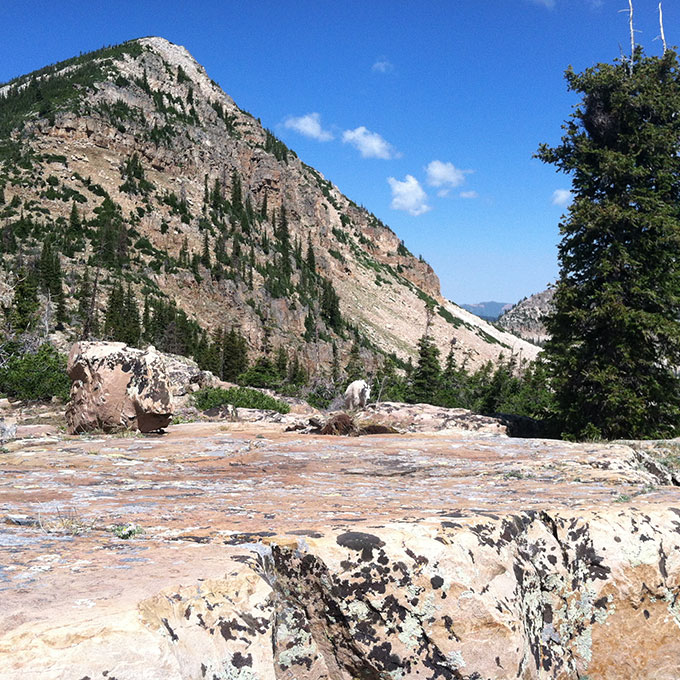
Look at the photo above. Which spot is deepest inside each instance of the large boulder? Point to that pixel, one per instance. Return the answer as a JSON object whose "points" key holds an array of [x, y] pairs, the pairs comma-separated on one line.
{"points": [[116, 387], [185, 377]]}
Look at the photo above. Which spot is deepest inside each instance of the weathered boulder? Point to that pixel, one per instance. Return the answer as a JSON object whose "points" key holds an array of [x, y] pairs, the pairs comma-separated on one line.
{"points": [[428, 418], [184, 376], [116, 387]]}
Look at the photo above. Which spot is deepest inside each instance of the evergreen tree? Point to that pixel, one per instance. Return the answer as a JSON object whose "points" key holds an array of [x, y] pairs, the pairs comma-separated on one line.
{"points": [[83, 295], [205, 255], [25, 303], [216, 197], [74, 221], [46, 267], [310, 259], [206, 193], [263, 209], [262, 373], [235, 355], [114, 320], [281, 362], [427, 373], [310, 326], [615, 343], [90, 319], [212, 359], [61, 314], [454, 385], [297, 374], [183, 257], [387, 385], [236, 194], [112, 234], [330, 306], [131, 330], [355, 366]]}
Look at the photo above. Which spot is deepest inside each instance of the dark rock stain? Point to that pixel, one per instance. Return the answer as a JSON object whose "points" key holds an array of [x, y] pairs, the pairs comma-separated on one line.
{"points": [[173, 636], [360, 541], [239, 661], [436, 582]]}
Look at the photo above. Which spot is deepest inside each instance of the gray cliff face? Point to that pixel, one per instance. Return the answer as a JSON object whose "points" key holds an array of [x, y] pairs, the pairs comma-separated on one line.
{"points": [[156, 102], [527, 318]]}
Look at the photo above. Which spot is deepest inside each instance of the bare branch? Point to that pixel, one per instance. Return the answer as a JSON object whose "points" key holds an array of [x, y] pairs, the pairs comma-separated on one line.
{"points": [[663, 35], [632, 34]]}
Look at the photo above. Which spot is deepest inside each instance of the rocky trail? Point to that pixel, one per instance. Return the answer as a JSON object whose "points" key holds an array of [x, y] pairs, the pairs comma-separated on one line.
{"points": [[235, 550]]}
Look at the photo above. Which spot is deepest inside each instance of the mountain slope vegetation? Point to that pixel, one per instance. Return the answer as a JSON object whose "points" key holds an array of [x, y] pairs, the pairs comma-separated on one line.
{"points": [[138, 202]]}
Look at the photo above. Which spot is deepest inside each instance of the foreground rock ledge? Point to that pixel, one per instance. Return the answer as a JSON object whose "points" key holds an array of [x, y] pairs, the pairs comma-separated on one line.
{"points": [[499, 571]]}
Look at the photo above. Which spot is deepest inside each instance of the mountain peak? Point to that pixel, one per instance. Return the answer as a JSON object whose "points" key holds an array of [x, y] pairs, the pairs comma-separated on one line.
{"points": [[199, 209]]}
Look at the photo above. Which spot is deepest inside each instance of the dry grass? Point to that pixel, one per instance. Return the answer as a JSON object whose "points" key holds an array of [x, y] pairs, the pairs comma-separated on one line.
{"points": [[65, 521]]}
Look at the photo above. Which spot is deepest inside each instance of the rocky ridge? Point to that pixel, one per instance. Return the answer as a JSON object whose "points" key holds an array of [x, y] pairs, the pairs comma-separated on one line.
{"points": [[150, 130], [527, 318]]}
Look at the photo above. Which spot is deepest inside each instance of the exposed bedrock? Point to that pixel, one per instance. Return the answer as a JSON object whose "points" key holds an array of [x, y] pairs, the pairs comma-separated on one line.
{"points": [[529, 595], [526, 595], [266, 555]]}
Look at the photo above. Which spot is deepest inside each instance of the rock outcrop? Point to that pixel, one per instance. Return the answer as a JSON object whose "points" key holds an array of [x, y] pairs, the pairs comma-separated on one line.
{"points": [[116, 387], [269, 556], [527, 318], [388, 417], [428, 418], [184, 376]]}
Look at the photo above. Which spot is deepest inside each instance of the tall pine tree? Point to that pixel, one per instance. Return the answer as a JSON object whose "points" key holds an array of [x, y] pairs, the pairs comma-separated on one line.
{"points": [[615, 331]]}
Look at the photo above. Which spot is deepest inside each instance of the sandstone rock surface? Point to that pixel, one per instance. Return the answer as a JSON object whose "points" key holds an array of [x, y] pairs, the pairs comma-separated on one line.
{"points": [[116, 387], [270, 555], [428, 418]]}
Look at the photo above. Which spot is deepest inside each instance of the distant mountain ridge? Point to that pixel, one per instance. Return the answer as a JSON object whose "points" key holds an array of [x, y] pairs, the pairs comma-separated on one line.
{"points": [[488, 310]]}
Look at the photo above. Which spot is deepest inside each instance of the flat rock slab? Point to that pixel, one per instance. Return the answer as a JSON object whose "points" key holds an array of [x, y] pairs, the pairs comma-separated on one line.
{"points": [[274, 555]]}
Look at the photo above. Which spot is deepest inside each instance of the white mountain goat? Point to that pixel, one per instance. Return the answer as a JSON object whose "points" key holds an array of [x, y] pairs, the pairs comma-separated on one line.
{"points": [[357, 395]]}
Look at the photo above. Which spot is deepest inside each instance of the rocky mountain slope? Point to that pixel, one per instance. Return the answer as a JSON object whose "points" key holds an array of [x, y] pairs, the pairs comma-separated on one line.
{"points": [[132, 161], [526, 318]]}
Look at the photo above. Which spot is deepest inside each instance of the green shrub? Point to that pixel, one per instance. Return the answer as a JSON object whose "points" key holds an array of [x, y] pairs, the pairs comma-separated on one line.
{"points": [[321, 395], [262, 373], [211, 397], [36, 376]]}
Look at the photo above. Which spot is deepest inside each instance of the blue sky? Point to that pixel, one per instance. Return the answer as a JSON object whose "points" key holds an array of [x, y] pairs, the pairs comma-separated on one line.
{"points": [[426, 112]]}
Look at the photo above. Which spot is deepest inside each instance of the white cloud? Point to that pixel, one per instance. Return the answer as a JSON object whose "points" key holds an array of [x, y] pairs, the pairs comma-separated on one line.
{"points": [[309, 126], [561, 197], [445, 175], [382, 65], [370, 144], [550, 4], [469, 194], [408, 195]]}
